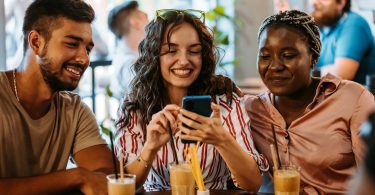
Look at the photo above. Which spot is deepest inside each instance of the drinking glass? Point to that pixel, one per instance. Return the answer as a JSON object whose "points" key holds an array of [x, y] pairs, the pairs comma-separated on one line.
{"points": [[181, 178], [287, 180], [121, 186]]}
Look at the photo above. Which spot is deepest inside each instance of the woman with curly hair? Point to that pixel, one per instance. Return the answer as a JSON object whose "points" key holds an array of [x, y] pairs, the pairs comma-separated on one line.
{"points": [[178, 58]]}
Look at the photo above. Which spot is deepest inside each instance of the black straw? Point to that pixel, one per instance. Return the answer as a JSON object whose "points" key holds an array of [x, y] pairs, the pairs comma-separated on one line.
{"points": [[113, 155], [277, 148], [172, 146]]}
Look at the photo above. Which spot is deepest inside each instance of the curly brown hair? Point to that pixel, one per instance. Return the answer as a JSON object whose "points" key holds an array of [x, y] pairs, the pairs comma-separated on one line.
{"points": [[148, 93]]}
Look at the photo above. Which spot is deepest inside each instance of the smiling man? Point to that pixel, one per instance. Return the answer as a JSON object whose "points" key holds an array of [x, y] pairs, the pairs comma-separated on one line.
{"points": [[41, 123]]}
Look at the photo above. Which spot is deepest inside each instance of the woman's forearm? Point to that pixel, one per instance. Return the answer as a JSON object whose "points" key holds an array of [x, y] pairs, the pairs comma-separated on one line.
{"points": [[142, 165], [242, 166]]}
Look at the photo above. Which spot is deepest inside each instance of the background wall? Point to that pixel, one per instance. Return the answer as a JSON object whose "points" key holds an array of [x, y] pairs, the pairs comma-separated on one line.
{"points": [[2, 37], [251, 14]]}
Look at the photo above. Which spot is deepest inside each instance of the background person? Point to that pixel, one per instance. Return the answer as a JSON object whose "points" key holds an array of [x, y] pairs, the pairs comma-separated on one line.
{"points": [[316, 120], [42, 124], [348, 48], [364, 181], [127, 23], [178, 58]]}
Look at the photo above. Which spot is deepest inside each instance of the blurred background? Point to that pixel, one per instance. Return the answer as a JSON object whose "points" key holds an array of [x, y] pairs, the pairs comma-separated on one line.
{"points": [[235, 23]]}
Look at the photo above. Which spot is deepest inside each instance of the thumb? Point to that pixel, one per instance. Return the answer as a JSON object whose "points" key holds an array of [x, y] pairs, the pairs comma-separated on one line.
{"points": [[215, 111]]}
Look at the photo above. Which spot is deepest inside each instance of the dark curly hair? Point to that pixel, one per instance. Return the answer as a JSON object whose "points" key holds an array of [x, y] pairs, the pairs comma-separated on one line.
{"points": [[148, 93], [300, 21]]}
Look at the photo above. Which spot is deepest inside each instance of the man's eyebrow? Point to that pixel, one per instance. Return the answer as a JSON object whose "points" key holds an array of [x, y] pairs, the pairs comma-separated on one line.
{"points": [[78, 39]]}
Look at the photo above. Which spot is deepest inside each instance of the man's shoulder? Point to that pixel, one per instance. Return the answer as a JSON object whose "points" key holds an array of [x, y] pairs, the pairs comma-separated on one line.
{"points": [[354, 19], [68, 98]]}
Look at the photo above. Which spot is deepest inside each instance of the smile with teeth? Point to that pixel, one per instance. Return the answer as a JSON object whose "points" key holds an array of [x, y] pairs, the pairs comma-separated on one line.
{"points": [[74, 71], [181, 72]]}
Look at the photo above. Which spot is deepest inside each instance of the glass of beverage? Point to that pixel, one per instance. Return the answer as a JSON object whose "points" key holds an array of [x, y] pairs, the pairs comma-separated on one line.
{"points": [[182, 180], [286, 180], [121, 186]]}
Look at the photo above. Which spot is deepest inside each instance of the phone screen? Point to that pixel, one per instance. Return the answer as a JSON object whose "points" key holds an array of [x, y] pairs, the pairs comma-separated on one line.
{"points": [[197, 104]]}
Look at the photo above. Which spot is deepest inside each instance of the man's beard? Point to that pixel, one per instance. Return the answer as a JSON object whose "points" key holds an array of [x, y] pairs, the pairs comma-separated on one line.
{"points": [[325, 18], [52, 78]]}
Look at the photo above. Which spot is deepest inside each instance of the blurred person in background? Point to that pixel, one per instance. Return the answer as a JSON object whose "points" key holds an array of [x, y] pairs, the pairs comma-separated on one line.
{"points": [[347, 41], [364, 181], [348, 46], [42, 124], [127, 23], [314, 122]]}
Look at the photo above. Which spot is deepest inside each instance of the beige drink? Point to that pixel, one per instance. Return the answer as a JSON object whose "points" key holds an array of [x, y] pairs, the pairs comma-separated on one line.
{"points": [[182, 180], [121, 186], [287, 181]]}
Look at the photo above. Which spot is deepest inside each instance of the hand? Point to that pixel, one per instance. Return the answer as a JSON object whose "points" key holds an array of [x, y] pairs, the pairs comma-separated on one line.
{"points": [[93, 182], [205, 129], [159, 126], [224, 85]]}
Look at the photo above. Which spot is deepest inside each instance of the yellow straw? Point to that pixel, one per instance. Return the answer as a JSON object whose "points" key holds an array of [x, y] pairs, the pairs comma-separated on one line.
{"points": [[197, 173]]}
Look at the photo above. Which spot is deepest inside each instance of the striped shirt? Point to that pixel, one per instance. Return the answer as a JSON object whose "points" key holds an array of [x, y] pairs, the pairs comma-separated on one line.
{"points": [[214, 169]]}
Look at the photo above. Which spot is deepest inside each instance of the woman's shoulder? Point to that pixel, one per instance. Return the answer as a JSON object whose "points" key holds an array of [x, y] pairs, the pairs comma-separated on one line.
{"points": [[223, 99], [246, 100], [351, 86]]}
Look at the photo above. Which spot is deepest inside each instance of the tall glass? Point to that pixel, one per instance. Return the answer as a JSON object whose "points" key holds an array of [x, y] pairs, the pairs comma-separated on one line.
{"points": [[286, 180], [182, 180], [121, 186]]}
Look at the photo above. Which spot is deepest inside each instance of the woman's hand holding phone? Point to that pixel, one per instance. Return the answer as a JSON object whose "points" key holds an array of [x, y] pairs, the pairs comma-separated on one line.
{"points": [[204, 129], [157, 129]]}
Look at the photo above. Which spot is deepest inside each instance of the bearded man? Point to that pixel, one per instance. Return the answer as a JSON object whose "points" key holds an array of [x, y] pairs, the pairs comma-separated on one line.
{"points": [[348, 48]]}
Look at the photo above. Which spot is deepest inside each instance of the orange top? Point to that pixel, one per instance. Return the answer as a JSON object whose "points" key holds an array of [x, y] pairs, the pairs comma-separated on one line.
{"points": [[324, 141]]}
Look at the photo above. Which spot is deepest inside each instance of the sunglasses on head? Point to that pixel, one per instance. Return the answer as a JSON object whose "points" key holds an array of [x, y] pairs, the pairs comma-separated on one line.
{"points": [[163, 13]]}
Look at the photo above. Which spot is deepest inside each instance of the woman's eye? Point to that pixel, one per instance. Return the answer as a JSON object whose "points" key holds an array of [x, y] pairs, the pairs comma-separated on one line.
{"points": [[72, 44], [289, 56], [264, 57], [195, 52]]}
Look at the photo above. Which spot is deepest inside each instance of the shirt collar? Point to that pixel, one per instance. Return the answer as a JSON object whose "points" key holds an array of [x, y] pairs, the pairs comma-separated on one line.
{"points": [[328, 84]]}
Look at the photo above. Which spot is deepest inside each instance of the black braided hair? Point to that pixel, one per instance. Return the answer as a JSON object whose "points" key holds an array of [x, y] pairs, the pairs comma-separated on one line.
{"points": [[300, 21]]}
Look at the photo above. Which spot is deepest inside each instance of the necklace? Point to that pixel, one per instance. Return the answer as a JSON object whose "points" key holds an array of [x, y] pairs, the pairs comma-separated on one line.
{"points": [[15, 85]]}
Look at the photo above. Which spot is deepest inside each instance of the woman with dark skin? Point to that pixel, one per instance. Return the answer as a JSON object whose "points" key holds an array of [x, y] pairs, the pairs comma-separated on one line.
{"points": [[178, 58], [316, 121]]}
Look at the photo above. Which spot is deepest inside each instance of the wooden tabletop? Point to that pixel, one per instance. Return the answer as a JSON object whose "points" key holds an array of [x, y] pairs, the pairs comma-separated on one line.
{"points": [[212, 192]]}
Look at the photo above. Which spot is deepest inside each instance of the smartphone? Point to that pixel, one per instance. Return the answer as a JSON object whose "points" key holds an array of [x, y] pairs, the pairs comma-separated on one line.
{"points": [[198, 104]]}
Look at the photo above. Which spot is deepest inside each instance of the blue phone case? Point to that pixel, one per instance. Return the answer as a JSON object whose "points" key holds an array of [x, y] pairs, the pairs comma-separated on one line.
{"points": [[197, 104]]}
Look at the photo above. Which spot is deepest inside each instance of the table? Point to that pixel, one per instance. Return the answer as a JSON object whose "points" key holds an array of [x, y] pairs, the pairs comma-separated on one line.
{"points": [[212, 192]]}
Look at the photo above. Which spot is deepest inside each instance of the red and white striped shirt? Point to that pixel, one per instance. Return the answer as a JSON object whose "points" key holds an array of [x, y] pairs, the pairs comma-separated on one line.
{"points": [[215, 172]]}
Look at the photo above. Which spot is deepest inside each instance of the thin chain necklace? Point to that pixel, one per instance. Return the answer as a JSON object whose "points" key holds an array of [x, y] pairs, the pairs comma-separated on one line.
{"points": [[15, 85]]}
